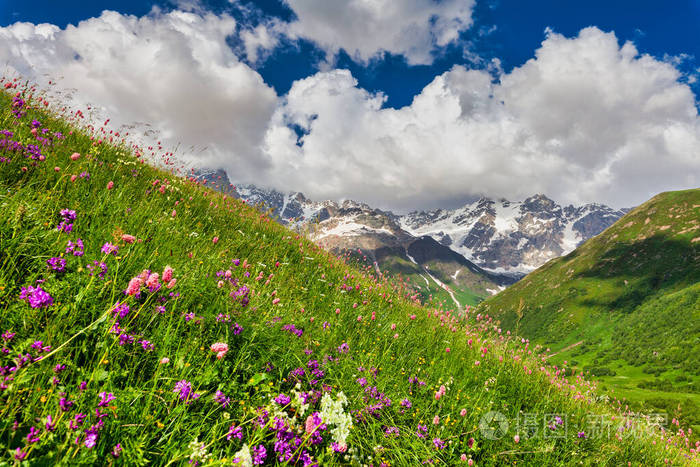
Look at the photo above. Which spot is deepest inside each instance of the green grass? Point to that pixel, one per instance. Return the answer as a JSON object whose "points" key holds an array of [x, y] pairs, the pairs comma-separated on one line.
{"points": [[355, 336], [631, 294]]}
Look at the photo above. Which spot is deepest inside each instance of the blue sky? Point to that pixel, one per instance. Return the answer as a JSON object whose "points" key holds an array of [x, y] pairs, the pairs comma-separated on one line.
{"points": [[412, 104]]}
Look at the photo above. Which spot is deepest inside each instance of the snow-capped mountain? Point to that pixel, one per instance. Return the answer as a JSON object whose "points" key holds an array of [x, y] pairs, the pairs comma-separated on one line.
{"points": [[512, 237], [498, 236]]}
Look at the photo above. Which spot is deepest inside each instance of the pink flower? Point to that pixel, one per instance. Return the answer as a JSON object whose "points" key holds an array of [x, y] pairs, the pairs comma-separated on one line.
{"points": [[153, 280], [470, 462], [396, 336], [220, 348], [167, 274], [57, 169], [463, 412], [436, 420], [516, 438], [174, 213], [164, 361], [171, 284], [134, 286], [215, 240], [110, 185], [463, 457], [393, 326], [309, 425], [75, 156], [275, 301], [220, 284], [447, 349], [73, 178], [359, 318], [128, 238]]}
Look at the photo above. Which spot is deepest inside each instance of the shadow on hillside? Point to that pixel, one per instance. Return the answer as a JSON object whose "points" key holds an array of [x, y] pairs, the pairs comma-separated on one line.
{"points": [[660, 262]]}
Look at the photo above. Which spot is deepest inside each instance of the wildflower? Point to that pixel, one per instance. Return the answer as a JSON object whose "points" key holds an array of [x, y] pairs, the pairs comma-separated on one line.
{"points": [[116, 451], [75, 156], [19, 454], [76, 249], [516, 439], [50, 424], [128, 238], [439, 444], [221, 398], [463, 412], [259, 455], [436, 420], [164, 361], [221, 348], [234, 432], [242, 458], [184, 388], [106, 398], [134, 286], [167, 274], [215, 240], [56, 264], [33, 435], [110, 249], [581, 434], [283, 399], [110, 185], [36, 297], [153, 281]]}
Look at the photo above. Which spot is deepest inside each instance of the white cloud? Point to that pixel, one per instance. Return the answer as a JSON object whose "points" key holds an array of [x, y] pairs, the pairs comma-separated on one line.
{"points": [[585, 120], [172, 70], [366, 29]]}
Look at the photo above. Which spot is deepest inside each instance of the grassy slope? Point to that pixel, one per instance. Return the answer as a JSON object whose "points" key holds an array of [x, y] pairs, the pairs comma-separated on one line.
{"points": [[632, 297], [292, 282]]}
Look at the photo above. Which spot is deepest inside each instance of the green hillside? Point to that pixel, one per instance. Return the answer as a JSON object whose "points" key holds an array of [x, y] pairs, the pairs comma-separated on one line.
{"points": [[625, 306], [148, 320]]}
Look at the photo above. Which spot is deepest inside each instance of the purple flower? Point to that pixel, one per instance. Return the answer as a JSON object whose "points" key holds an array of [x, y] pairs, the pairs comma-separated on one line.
{"points": [[259, 454], [234, 432], [56, 264], [116, 451], [221, 398], [184, 388], [237, 328], [283, 399], [110, 249], [121, 309], [344, 348], [19, 454], [50, 425], [106, 398], [33, 435], [406, 403], [91, 440], [7, 336], [65, 404], [36, 297], [439, 444], [76, 249], [99, 266], [581, 434]]}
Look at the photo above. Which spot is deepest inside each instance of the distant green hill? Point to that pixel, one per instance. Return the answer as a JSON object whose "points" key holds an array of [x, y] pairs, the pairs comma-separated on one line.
{"points": [[625, 305], [146, 320]]}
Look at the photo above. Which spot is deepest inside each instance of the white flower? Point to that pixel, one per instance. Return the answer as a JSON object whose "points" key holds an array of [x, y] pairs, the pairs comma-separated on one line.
{"points": [[244, 458]]}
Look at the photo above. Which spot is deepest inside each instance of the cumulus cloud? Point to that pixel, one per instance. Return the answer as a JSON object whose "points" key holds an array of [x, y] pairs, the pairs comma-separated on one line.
{"points": [[174, 71], [364, 29], [584, 120]]}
